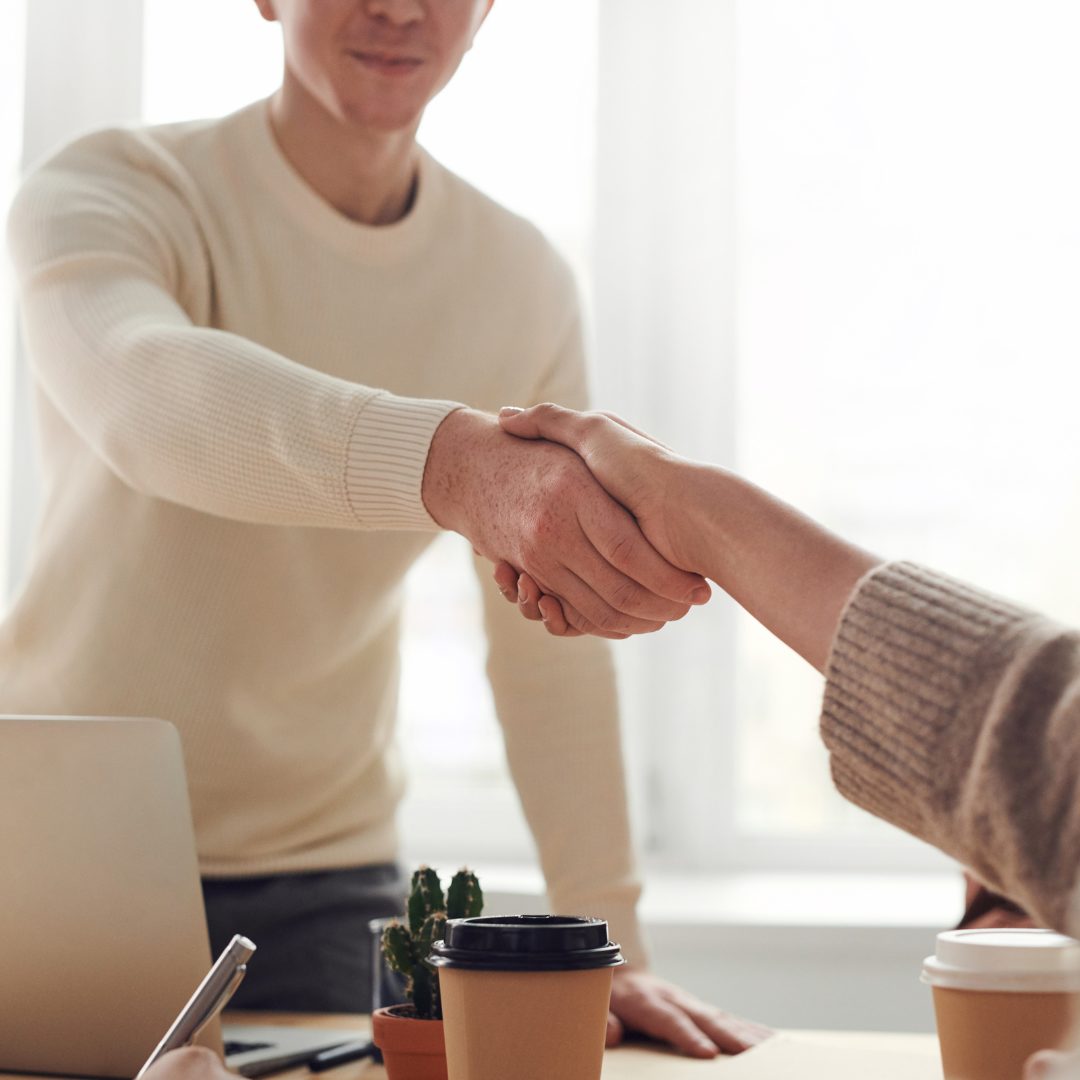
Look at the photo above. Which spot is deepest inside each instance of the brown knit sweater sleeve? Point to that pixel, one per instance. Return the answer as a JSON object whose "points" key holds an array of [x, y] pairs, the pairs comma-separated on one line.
{"points": [[956, 716]]}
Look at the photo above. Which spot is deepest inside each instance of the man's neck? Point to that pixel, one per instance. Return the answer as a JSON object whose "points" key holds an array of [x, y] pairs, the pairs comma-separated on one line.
{"points": [[368, 176]]}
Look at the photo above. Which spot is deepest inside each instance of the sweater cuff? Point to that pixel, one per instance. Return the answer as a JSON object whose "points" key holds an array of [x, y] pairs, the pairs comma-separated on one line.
{"points": [[620, 913], [624, 928], [385, 459], [898, 688]]}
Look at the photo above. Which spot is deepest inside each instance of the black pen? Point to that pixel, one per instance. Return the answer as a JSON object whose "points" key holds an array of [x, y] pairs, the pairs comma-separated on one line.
{"points": [[341, 1055]]}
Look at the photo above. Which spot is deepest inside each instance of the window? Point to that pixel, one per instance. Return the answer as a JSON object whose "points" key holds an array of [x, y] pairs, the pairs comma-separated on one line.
{"points": [[838, 248], [70, 71], [909, 263], [236, 53]]}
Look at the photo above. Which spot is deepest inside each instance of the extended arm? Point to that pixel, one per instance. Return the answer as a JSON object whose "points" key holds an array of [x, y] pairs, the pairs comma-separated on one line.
{"points": [[118, 291], [949, 712], [756, 547]]}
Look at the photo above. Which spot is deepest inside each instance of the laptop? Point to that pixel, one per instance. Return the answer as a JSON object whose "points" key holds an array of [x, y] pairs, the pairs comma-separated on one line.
{"points": [[102, 928]]}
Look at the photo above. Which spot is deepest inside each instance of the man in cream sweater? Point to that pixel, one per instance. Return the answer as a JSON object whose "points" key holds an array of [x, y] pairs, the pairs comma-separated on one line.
{"points": [[250, 339]]}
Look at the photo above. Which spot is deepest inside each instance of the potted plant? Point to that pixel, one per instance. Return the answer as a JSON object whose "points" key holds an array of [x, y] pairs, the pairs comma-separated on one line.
{"points": [[410, 1036]]}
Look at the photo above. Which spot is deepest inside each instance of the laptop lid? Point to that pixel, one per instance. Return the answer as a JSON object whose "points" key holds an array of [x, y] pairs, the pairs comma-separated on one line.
{"points": [[102, 927]]}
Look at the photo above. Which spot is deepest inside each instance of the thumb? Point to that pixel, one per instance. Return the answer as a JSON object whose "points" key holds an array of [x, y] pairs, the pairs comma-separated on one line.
{"points": [[546, 421]]}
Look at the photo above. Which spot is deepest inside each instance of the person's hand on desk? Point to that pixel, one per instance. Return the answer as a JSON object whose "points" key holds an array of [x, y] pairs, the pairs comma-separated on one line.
{"points": [[189, 1063], [645, 1005]]}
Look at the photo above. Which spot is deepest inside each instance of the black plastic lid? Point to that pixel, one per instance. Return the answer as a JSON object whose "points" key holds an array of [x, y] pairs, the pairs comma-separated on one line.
{"points": [[526, 943]]}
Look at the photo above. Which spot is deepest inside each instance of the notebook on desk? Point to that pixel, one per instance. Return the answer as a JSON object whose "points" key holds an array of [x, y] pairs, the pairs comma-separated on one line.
{"points": [[843, 1059], [102, 928], [838, 1056]]}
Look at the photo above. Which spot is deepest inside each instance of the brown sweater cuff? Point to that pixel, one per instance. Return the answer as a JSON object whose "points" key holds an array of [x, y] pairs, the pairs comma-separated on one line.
{"points": [[904, 683]]}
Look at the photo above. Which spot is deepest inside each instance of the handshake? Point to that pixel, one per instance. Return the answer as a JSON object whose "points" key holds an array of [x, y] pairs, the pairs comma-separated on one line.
{"points": [[595, 528], [589, 522]]}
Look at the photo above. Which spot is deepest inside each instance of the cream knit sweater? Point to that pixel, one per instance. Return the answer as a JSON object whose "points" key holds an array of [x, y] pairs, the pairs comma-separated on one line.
{"points": [[237, 392]]}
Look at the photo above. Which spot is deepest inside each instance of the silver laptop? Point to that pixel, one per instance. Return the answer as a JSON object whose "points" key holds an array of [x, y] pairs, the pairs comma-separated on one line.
{"points": [[102, 928]]}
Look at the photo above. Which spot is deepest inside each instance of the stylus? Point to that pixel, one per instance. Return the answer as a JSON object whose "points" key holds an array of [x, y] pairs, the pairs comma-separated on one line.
{"points": [[340, 1055], [208, 1000]]}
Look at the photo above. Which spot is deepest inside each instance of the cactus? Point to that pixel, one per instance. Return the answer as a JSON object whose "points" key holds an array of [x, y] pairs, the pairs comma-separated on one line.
{"points": [[407, 946], [464, 899], [425, 897]]}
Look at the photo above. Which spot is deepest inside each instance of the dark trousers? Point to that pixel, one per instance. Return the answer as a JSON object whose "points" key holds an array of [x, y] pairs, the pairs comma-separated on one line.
{"points": [[315, 952]]}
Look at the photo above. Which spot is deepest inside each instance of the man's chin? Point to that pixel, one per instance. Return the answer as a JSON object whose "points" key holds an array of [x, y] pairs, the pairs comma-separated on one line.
{"points": [[385, 119]]}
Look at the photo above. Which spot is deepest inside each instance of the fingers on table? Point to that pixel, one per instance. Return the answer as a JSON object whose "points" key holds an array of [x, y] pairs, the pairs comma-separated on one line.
{"points": [[662, 1019], [732, 1034]]}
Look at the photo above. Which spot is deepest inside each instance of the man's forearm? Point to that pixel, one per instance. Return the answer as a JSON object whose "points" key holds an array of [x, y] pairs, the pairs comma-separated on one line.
{"points": [[790, 573]]}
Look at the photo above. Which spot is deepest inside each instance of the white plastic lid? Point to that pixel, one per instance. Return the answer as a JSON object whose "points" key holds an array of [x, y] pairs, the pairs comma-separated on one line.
{"points": [[1032, 961]]}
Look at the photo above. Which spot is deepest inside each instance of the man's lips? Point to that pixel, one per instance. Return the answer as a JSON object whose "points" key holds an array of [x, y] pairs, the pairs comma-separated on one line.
{"points": [[386, 63]]}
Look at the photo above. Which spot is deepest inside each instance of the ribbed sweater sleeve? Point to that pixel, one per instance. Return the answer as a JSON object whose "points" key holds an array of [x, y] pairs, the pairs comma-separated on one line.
{"points": [[111, 266], [956, 716]]}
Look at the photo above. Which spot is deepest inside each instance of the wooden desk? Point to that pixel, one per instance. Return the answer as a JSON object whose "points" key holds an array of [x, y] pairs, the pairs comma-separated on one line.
{"points": [[808, 1055]]}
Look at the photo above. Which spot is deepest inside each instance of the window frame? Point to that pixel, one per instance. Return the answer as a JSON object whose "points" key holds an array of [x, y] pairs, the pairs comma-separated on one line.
{"points": [[71, 38], [12, 124]]}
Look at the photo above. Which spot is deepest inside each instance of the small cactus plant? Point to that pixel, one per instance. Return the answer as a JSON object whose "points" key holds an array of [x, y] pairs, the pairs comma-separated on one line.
{"points": [[407, 946]]}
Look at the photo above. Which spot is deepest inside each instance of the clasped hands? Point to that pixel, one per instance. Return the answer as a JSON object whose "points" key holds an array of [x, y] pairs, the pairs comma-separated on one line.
{"points": [[571, 508], [631, 467]]}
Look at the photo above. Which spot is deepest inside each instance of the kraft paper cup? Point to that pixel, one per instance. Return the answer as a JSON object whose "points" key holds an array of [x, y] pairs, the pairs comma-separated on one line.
{"points": [[525, 996], [1000, 995]]}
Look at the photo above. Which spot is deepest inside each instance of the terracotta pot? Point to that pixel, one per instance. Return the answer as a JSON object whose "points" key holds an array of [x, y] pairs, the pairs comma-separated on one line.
{"points": [[412, 1049]]}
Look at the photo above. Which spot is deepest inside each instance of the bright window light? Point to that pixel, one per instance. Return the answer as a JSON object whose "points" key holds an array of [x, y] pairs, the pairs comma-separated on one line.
{"points": [[11, 131], [909, 272]]}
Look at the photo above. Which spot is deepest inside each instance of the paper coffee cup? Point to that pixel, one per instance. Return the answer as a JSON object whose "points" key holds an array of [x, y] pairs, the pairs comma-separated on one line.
{"points": [[1000, 995], [525, 996]]}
